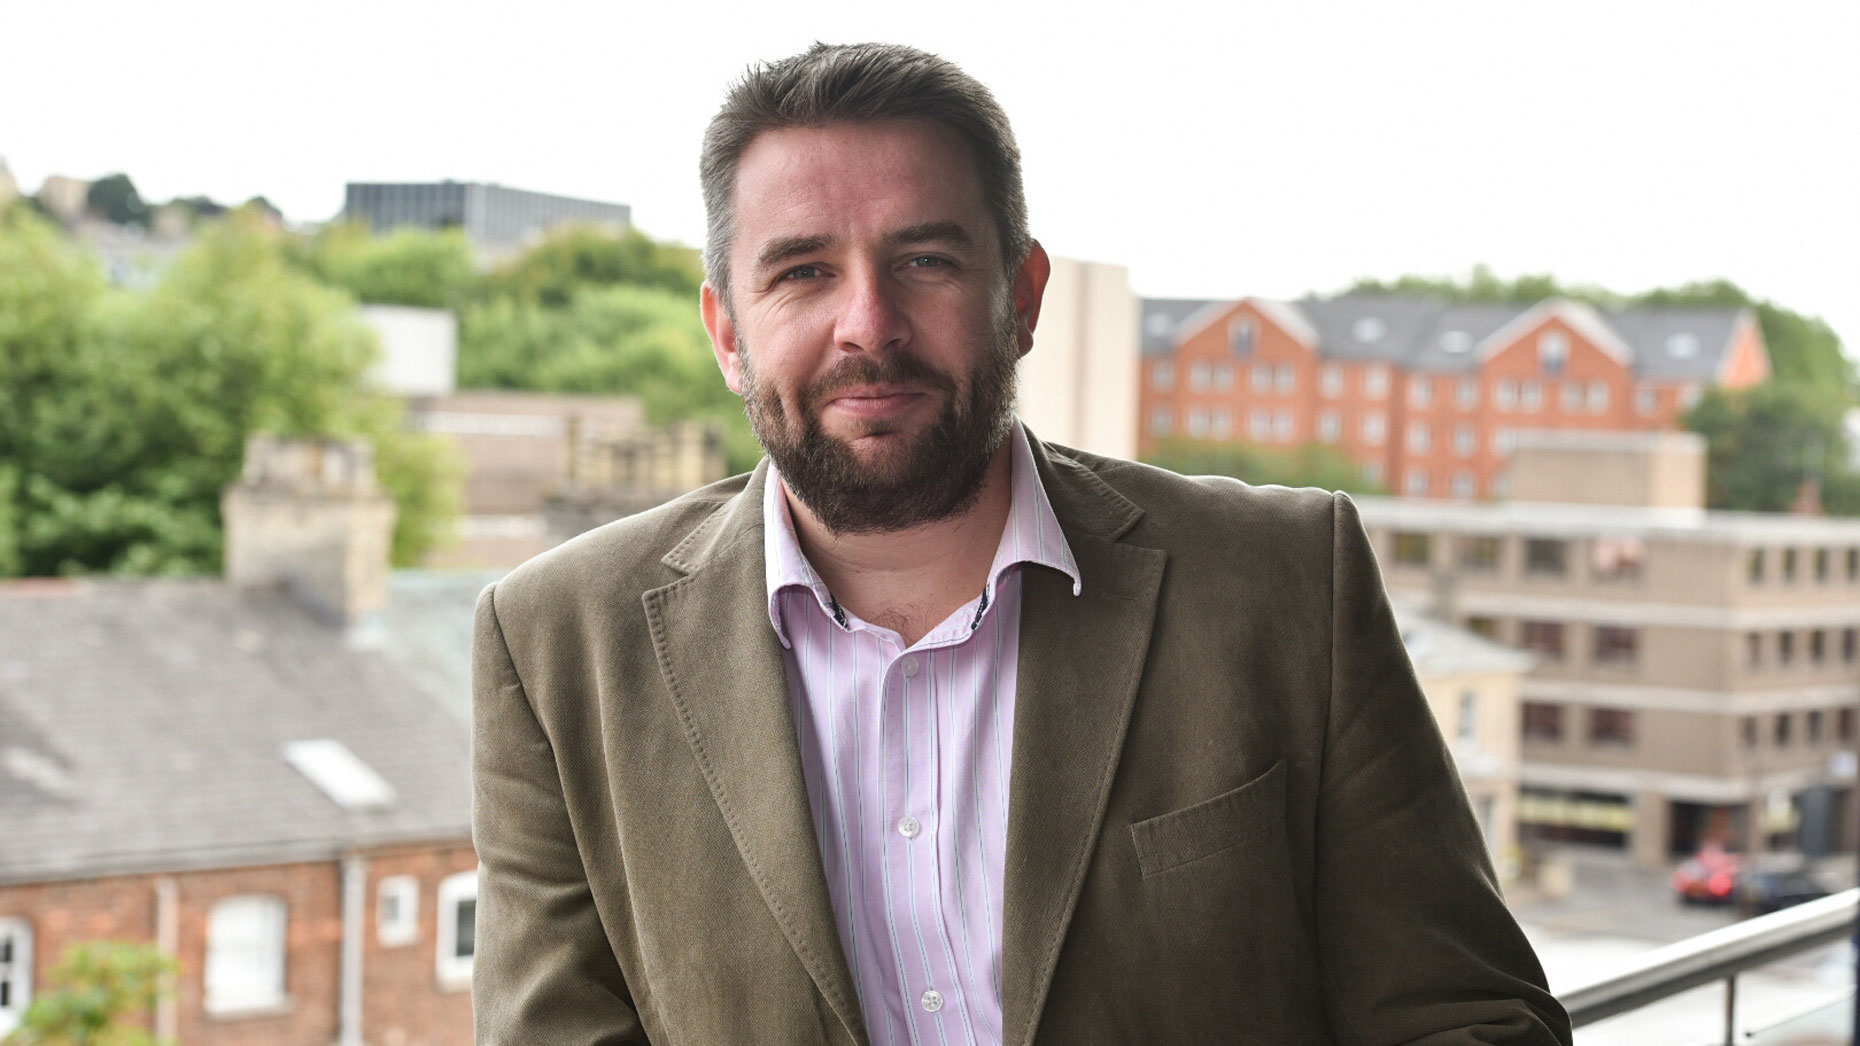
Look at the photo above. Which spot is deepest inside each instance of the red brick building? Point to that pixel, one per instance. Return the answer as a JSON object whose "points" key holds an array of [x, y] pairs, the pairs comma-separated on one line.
{"points": [[1426, 397], [250, 782]]}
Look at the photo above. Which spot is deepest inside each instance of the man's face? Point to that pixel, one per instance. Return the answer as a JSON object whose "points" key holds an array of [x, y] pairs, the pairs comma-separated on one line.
{"points": [[874, 334]]}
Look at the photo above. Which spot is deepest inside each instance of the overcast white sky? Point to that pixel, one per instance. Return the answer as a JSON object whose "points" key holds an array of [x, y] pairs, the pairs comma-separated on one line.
{"points": [[1268, 149]]}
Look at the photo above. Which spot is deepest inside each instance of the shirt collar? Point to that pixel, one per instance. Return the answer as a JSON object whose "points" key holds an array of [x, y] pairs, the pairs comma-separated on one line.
{"points": [[1032, 535]]}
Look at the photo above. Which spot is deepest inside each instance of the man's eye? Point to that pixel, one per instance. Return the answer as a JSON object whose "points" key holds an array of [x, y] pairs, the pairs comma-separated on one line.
{"points": [[802, 272], [928, 261]]}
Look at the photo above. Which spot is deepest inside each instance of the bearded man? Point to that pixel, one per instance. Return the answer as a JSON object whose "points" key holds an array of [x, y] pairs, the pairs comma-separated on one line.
{"points": [[926, 731]]}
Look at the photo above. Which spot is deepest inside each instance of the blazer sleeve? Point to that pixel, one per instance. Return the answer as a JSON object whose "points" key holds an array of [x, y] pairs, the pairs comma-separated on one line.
{"points": [[544, 972], [1416, 943]]}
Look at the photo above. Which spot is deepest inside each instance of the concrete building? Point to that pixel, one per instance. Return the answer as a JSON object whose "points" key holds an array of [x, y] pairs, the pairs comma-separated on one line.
{"points": [[497, 220], [1075, 384], [64, 197], [1428, 398], [1697, 672], [235, 773]]}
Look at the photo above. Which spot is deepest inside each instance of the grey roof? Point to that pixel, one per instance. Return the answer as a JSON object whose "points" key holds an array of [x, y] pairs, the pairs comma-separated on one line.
{"points": [[426, 630], [1159, 319], [1427, 334], [1438, 648], [142, 728]]}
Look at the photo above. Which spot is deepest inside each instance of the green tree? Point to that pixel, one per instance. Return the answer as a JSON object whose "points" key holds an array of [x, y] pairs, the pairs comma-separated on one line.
{"points": [[1310, 465], [114, 196], [98, 995], [409, 266], [555, 270], [131, 411], [1762, 443], [615, 341]]}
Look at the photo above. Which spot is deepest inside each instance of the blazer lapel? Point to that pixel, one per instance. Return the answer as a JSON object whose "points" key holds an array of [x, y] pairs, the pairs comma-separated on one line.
{"points": [[722, 665], [1080, 662]]}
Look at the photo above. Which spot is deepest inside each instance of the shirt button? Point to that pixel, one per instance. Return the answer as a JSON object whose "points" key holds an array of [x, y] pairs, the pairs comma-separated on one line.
{"points": [[909, 827], [909, 665], [932, 1000]]}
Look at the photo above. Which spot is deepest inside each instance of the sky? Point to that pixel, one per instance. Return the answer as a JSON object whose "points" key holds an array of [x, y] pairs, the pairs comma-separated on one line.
{"points": [[1215, 151]]}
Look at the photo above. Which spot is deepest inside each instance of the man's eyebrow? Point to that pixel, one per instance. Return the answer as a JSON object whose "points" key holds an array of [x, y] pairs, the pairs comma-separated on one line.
{"points": [[774, 252], [946, 232]]}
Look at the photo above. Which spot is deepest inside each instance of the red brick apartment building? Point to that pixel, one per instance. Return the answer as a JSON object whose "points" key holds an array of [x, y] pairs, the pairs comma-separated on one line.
{"points": [[1426, 397], [237, 772]]}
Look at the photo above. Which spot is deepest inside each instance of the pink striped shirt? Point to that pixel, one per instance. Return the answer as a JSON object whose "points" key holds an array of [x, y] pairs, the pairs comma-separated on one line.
{"points": [[906, 752]]}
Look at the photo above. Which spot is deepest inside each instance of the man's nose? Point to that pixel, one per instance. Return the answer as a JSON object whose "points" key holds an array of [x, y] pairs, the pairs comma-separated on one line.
{"points": [[872, 317]]}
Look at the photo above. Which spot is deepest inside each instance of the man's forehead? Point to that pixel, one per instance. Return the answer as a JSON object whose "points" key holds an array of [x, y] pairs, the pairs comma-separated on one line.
{"points": [[894, 173]]}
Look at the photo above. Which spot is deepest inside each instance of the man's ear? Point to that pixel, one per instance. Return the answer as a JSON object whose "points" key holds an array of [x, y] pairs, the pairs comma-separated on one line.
{"points": [[1029, 291], [722, 337]]}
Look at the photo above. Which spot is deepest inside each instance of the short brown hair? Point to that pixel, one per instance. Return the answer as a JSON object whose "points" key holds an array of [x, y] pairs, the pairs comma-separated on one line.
{"points": [[859, 83]]}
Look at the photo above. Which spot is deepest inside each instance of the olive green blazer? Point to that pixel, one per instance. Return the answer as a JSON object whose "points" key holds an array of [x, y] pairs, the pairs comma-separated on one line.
{"points": [[1231, 816]]}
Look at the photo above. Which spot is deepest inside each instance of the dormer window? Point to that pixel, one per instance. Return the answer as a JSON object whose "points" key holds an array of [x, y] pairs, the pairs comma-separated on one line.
{"points": [[1455, 342], [1368, 330], [1682, 346], [1157, 324], [1241, 333], [1553, 352]]}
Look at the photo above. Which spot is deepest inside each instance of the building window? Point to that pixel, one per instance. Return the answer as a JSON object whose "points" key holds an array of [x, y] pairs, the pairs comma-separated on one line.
{"points": [[458, 937], [1162, 419], [1375, 428], [1598, 397], [1646, 400], [1788, 564], [1198, 422], [1531, 397], [1504, 439], [1821, 564], [1546, 556], [1414, 550], [1330, 426], [1814, 727], [1544, 638], [1162, 376], [1753, 569], [1330, 381], [245, 954], [1853, 564], [1753, 650], [1611, 726], [1690, 395], [1417, 483], [1553, 352], [1747, 729], [1372, 473], [1262, 377], [1224, 377], [1785, 647], [1284, 378], [1466, 397], [1844, 724], [1483, 626], [1282, 423], [1199, 376], [1617, 558], [1420, 437], [1465, 441], [1223, 424], [1241, 334], [1782, 730], [15, 972], [1469, 715], [1259, 425], [1848, 644], [1376, 382], [1479, 553], [1616, 646], [1817, 646], [397, 910], [1572, 397], [1463, 485], [1505, 394], [1421, 391], [1543, 722]]}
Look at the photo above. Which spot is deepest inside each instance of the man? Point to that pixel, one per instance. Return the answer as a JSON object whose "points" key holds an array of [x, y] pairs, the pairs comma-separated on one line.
{"points": [[928, 732]]}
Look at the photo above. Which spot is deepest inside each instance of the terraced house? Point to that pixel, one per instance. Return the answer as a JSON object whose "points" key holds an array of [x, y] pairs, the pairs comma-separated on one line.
{"points": [[1426, 397]]}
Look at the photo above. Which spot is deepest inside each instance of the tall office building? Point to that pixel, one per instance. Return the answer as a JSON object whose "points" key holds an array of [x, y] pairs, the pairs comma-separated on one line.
{"points": [[496, 219]]}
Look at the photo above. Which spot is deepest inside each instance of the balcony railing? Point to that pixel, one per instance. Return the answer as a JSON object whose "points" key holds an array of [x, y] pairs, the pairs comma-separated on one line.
{"points": [[1716, 956]]}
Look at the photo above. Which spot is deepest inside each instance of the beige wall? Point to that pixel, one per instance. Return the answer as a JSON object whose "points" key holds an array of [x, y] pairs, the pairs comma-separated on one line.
{"points": [[1486, 751], [1079, 384], [1660, 469]]}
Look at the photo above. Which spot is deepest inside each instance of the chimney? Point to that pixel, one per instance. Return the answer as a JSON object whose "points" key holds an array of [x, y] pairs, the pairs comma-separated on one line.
{"points": [[1807, 499], [307, 514]]}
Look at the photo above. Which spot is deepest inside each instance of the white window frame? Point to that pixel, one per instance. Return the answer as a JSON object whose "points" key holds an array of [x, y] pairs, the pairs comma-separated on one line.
{"points": [[1284, 379], [1376, 381], [1223, 377], [1464, 485], [1466, 440], [1553, 352], [1420, 437], [1467, 395], [1162, 376], [1162, 420], [1421, 390], [17, 972], [1330, 381], [1259, 425], [404, 928], [1598, 397], [1222, 426], [1505, 394], [1531, 397], [1375, 428], [1260, 378], [1330, 426], [244, 976], [1200, 375], [1282, 426], [1572, 394], [1198, 422], [454, 970], [1417, 483]]}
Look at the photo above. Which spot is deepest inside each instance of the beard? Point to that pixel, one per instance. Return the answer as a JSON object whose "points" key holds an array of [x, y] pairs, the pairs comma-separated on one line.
{"points": [[935, 476]]}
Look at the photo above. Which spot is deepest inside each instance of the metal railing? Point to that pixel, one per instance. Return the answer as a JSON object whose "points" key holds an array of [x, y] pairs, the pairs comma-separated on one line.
{"points": [[1716, 956]]}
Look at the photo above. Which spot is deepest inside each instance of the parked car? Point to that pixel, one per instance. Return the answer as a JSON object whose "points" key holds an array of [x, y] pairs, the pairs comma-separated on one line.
{"points": [[1762, 892], [1708, 877]]}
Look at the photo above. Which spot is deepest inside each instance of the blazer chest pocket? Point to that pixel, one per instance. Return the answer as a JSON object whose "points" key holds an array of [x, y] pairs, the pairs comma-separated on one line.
{"points": [[1208, 827]]}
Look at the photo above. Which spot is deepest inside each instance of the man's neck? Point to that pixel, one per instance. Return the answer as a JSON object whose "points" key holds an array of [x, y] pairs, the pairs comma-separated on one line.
{"points": [[911, 580]]}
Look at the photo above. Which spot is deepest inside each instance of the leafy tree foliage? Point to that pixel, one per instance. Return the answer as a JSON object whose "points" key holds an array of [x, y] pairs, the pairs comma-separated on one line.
{"points": [[552, 272], [97, 996], [128, 413], [406, 267], [1312, 465], [1764, 442], [114, 197], [614, 340]]}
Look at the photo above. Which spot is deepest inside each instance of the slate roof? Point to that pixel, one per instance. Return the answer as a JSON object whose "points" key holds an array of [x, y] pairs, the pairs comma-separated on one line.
{"points": [[1438, 648], [142, 728], [1428, 334], [427, 630]]}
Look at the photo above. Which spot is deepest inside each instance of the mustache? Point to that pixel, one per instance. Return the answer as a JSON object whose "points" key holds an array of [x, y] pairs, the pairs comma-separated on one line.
{"points": [[889, 369]]}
